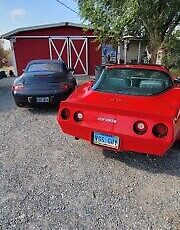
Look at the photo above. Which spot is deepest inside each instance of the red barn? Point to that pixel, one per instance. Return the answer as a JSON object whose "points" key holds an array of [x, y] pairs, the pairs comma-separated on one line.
{"points": [[74, 43]]}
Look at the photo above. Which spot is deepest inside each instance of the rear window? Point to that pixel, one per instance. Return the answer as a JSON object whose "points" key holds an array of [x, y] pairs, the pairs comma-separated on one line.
{"points": [[133, 81], [54, 67]]}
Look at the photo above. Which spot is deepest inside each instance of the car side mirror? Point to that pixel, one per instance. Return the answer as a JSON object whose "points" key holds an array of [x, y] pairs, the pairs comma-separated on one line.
{"points": [[70, 69], [177, 80], [92, 82], [92, 78]]}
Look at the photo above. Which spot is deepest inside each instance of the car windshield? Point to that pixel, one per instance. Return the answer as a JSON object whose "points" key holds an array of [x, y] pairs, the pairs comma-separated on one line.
{"points": [[54, 67], [141, 82]]}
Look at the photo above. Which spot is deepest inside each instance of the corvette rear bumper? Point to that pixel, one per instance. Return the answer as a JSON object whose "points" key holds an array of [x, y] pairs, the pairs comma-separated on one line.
{"points": [[136, 143]]}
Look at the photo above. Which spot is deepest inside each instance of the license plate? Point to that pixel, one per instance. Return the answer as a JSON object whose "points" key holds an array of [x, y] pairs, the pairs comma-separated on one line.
{"points": [[42, 99], [106, 140]]}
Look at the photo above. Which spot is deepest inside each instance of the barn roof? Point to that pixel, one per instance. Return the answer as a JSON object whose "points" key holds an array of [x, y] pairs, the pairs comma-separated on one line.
{"points": [[14, 32]]}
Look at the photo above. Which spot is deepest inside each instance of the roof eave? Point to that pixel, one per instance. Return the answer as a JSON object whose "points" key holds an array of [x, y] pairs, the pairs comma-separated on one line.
{"points": [[14, 32]]}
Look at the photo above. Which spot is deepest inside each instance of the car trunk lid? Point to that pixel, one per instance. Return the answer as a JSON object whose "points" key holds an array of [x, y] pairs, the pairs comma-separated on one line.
{"points": [[43, 81], [156, 105]]}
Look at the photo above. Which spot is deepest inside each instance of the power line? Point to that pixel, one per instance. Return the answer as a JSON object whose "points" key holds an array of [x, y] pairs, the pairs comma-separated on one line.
{"points": [[67, 7]]}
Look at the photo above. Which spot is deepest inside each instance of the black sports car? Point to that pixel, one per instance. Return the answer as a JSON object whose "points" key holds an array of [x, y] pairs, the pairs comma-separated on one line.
{"points": [[43, 82]]}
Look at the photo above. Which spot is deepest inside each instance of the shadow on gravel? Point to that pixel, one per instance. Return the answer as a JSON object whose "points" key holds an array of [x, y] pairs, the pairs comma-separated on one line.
{"points": [[44, 110], [169, 164]]}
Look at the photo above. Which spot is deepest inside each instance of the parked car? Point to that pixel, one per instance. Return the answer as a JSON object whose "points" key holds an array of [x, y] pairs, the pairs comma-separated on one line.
{"points": [[2, 74], [43, 82], [130, 108]]}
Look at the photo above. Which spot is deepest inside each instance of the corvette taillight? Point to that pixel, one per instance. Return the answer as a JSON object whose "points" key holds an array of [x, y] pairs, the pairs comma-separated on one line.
{"points": [[78, 116], [65, 114], [18, 87], [65, 86], [160, 130], [140, 127]]}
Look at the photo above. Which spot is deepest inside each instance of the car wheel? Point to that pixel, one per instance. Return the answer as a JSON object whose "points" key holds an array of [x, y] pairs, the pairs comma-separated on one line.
{"points": [[177, 145], [19, 104]]}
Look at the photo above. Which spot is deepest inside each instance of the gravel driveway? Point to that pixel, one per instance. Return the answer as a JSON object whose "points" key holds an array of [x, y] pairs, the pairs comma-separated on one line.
{"points": [[50, 181]]}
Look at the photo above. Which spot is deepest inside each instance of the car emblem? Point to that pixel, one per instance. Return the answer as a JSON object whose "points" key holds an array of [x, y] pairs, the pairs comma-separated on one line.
{"points": [[109, 120], [116, 100]]}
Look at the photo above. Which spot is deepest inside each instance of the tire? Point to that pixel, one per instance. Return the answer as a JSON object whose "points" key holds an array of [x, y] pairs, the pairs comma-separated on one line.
{"points": [[19, 104], [177, 144]]}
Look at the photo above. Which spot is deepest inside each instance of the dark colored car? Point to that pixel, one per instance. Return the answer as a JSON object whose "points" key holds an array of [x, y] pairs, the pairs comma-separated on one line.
{"points": [[2, 74], [43, 82]]}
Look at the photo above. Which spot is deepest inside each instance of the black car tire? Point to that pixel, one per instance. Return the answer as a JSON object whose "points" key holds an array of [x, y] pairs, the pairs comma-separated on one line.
{"points": [[19, 104], [176, 145]]}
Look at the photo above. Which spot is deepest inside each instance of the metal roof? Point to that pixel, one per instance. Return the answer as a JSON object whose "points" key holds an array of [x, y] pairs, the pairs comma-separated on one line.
{"points": [[13, 32]]}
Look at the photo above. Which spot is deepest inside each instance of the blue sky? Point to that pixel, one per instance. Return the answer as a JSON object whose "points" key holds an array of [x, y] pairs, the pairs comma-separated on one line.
{"points": [[21, 13]]}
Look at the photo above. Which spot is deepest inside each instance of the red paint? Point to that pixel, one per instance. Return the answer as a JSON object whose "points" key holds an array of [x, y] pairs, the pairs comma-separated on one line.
{"points": [[57, 31], [140, 66], [163, 108], [94, 55], [27, 49]]}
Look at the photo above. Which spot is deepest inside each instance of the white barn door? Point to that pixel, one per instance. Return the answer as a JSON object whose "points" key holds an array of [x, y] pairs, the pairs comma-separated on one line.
{"points": [[59, 49], [78, 49], [72, 50]]}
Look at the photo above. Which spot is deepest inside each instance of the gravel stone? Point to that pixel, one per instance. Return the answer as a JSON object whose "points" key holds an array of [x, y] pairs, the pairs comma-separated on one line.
{"points": [[51, 181]]}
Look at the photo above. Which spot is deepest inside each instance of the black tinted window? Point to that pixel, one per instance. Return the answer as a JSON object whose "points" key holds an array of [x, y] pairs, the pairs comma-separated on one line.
{"points": [[133, 81], [54, 67]]}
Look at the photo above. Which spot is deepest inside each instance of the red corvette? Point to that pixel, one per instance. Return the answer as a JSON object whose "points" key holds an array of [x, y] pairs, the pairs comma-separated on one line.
{"points": [[129, 108]]}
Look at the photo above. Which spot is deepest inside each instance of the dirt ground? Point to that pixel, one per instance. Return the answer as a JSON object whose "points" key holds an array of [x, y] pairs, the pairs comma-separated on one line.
{"points": [[50, 181]]}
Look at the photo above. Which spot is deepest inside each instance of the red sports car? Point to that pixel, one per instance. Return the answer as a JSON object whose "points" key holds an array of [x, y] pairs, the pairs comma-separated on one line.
{"points": [[129, 108]]}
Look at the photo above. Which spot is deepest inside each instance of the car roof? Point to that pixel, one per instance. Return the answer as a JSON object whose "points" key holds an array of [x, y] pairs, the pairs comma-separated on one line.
{"points": [[139, 66], [46, 61]]}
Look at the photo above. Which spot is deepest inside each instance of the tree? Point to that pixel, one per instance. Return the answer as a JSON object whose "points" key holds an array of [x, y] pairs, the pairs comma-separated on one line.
{"points": [[172, 51], [4, 55], [153, 19]]}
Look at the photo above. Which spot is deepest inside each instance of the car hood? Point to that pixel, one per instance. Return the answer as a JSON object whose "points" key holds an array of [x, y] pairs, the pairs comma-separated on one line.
{"points": [[164, 104]]}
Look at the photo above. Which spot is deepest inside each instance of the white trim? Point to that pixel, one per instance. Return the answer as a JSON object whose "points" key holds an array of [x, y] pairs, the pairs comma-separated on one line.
{"points": [[26, 37], [139, 52], [13, 56], [78, 55], [50, 49], [54, 37], [62, 49], [70, 53], [60, 52], [78, 37], [13, 32], [55, 49], [87, 61], [119, 53]]}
